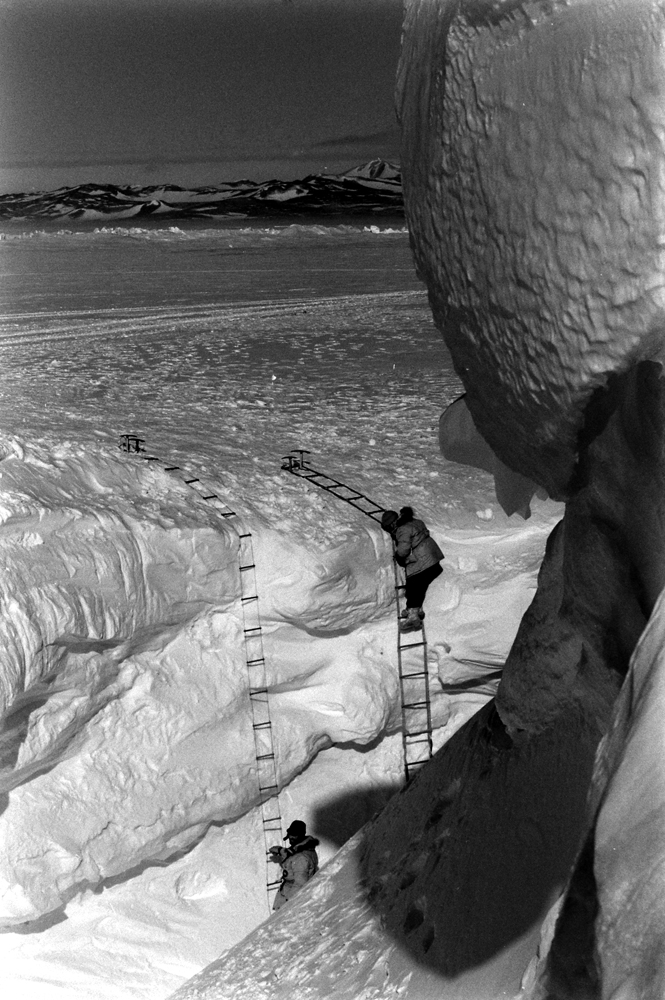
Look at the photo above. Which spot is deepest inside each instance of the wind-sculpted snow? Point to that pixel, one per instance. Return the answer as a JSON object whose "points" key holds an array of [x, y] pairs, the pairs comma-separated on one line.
{"points": [[126, 725], [374, 186]]}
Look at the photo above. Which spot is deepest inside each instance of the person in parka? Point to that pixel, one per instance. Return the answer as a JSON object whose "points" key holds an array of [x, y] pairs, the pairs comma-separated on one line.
{"points": [[299, 861], [416, 550]]}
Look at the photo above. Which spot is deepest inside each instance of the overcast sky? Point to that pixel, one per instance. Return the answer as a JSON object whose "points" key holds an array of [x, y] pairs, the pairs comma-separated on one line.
{"points": [[193, 91]]}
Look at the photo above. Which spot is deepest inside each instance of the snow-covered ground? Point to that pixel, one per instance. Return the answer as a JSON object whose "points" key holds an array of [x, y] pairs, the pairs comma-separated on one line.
{"points": [[223, 391]]}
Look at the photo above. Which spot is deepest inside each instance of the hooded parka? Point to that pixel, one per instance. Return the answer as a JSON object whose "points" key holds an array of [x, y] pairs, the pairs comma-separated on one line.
{"points": [[415, 548], [299, 863]]}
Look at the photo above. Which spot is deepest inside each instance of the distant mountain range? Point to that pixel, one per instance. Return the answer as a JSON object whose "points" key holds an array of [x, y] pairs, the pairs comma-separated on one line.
{"points": [[376, 186]]}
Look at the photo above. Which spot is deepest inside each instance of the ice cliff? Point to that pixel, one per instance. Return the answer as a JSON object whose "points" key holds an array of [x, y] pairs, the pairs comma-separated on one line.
{"points": [[528, 856]]}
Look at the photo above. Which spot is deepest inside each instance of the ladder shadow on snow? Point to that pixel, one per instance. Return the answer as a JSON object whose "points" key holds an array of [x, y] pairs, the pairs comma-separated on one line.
{"points": [[467, 859]]}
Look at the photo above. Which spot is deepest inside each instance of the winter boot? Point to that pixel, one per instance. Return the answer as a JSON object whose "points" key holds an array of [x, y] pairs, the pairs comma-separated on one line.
{"points": [[412, 622], [405, 613]]}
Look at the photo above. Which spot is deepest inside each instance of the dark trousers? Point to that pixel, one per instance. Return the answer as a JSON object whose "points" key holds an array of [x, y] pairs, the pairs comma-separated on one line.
{"points": [[416, 585]]}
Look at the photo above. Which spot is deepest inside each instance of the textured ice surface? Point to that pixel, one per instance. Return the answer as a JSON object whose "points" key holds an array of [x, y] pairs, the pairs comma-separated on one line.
{"points": [[533, 178]]}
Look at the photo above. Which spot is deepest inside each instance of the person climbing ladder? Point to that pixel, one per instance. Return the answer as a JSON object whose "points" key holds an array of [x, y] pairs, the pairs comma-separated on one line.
{"points": [[416, 550], [299, 861]]}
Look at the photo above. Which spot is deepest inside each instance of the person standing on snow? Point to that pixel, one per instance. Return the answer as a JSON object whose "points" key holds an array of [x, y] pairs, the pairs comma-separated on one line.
{"points": [[299, 861], [416, 550]]}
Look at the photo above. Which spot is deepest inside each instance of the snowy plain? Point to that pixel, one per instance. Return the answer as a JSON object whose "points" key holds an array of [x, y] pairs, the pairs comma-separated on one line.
{"points": [[226, 349]]}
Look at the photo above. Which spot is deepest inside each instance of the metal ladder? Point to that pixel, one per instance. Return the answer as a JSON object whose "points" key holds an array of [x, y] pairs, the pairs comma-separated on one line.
{"points": [[411, 646], [266, 764]]}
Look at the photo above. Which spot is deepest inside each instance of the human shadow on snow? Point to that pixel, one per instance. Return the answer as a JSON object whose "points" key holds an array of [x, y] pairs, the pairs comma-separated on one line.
{"points": [[466, 860]]}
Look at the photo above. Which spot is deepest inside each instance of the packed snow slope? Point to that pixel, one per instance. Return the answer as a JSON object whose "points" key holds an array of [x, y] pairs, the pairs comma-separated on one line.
{"points": [[533, 176]]}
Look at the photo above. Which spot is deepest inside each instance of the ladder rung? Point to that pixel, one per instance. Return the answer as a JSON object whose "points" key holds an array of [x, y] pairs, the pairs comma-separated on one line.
{"points": [[265, 756], [257, 659], [211, 496], [419, 732], [415, 704], [255, 628], [253, 691], [420, 673], [248, 566], [273, 819], [411, 645], [267, 788], [228, 513], [254, 597], [171, 468], [151, 458], [188, 481], [278, 882], [246, 534], [262, 725]]}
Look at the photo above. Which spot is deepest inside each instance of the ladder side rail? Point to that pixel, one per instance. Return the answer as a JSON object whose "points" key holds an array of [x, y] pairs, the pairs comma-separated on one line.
{"points": [[428, 699], [399, 589]]}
